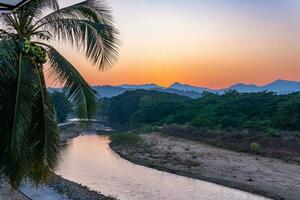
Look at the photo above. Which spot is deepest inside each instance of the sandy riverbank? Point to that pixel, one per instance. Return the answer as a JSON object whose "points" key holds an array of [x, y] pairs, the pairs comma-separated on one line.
{"points": [[265, 176]]}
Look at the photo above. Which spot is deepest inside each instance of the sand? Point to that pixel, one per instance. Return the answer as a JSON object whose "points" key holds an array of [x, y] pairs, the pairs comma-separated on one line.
{"points": [[269, 177]]}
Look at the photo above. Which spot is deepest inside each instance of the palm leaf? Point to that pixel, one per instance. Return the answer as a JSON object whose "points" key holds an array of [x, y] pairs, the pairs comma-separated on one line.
{"points": [[100, 41], [46, 137], [35, 8], [8, 58], [17, 159], [75, 87], [29, 143], [91, 10]]}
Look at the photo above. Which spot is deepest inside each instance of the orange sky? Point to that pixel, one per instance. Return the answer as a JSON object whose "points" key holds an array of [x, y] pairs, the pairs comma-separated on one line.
{"points": [[207, 44]]}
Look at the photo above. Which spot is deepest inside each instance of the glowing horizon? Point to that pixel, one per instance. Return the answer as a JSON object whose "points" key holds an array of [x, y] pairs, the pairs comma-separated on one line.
{"points": [[213, 44]]}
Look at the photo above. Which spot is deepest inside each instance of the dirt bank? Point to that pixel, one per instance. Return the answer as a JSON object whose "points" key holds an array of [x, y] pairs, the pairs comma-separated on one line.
{"points": [[265, 176]]}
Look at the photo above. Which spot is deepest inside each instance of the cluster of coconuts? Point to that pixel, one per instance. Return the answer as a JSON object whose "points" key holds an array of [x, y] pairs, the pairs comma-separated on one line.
{"points": [[36, 54]]}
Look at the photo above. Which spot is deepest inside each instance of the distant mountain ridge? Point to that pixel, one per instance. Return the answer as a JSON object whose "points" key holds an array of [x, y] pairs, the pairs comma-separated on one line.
{"points": [[141, 87], [278, 86]]}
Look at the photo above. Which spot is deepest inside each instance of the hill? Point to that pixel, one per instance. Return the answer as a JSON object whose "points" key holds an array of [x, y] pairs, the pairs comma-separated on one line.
{"points": [[278, 86], [121, 109], [263, 111]]}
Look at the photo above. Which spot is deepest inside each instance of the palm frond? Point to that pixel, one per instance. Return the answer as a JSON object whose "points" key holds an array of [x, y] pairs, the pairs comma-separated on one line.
{"points": [[100, 41], [46, 134], [8, 57], [75, 87], [29, 144], [104, 15], [34, 8], [17, 159], [91, 10]]}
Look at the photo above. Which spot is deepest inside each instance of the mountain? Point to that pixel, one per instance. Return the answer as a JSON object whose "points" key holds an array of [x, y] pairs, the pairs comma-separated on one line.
{"points": [[240, 87], [278, 86], [186, 87], [283, 86], [109, 91], [140, 87], [191, 94]]}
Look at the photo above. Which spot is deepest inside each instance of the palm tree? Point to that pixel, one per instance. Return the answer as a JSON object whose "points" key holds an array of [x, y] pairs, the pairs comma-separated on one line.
{"points": [[29, 135]]}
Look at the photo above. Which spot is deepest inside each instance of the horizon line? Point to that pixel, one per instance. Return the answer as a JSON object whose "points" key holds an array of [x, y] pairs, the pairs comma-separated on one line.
{"points": [[199, 86]]}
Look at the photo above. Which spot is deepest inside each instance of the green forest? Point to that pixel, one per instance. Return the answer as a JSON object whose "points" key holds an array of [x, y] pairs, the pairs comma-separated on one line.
{"points": [[259, 111]]}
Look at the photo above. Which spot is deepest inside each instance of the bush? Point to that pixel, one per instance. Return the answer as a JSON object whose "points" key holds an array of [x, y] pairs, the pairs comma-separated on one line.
{"points": [[127, 138], [177, 129], [156, 128], [271, 132], [255, 148], [146, 129]]}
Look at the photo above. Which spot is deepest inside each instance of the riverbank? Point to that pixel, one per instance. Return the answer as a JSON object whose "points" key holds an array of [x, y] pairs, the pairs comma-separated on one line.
{"points": [[74, 190], [72, 130], [269, 177], [9, 193]]}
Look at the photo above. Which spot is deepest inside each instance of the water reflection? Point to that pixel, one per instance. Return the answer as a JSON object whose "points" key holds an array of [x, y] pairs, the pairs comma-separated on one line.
{"points": [[89, 160]]}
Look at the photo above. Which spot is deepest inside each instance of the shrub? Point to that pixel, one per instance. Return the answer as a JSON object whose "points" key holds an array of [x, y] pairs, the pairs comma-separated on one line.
{"points": [[271, 132], [127, 138], [190, 163], [177, 130], [255, 148], [156, 128], [146, 129], [194, 156]]}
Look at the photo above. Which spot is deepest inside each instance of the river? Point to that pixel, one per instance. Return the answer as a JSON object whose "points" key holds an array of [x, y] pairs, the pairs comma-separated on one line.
{"points": [[89, 160]]}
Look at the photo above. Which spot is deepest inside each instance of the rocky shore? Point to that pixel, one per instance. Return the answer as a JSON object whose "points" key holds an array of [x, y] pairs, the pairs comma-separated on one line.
{"points": [[268, 177], [75, 191], [9, 193]]}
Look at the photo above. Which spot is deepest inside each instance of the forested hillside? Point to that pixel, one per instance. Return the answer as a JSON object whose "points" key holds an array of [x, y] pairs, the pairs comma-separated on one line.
{"points": [[124, 109], [262, 111]]}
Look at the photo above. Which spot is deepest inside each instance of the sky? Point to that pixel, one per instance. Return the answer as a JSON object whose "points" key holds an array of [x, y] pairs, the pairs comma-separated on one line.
{"points": [[212, 43]]}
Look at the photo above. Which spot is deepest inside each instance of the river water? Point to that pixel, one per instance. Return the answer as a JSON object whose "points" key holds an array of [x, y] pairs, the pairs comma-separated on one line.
{"points": [[89, 160]]}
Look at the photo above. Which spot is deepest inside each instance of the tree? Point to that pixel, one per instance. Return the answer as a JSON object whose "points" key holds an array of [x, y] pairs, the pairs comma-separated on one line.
{"points": [[62, 106], [29, 134]]}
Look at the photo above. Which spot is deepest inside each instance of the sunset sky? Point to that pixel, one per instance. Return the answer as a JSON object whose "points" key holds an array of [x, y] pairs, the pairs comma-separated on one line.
{"points": [[212, 43]]}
